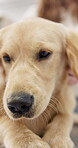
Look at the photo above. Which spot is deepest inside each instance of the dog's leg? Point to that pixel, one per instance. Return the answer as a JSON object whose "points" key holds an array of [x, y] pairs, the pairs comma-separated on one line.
{"points": [[16, 135], [58, 132]]}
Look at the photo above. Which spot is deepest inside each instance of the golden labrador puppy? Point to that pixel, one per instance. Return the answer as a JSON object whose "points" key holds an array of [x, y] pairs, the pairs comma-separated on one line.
{"points": [[36, 101]]}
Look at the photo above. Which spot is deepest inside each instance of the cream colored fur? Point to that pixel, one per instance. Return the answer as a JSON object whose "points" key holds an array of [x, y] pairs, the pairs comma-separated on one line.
{"points": [[46, 80]]}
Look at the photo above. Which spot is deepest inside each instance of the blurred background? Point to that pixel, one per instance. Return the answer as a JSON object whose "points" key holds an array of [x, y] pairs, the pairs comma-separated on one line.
{"points": [[14, 10]]}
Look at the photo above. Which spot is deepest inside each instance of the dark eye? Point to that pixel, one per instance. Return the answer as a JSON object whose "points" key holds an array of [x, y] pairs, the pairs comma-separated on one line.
{"points": [[43, 54], [7, 58]]}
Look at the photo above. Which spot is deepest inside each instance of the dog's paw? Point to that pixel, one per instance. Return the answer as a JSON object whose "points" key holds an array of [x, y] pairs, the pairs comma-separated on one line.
{"points": [[38, 144], [34, 144], [61, 142]]}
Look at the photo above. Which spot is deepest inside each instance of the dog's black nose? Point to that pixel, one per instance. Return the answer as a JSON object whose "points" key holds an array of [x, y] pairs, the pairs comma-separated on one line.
{"points": [[21, 103]]}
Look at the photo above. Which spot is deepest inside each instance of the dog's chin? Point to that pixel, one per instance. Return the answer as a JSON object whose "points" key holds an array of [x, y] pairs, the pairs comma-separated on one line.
{"points": [[19, 117], [16, 116], [32, 114], [28, 116]]}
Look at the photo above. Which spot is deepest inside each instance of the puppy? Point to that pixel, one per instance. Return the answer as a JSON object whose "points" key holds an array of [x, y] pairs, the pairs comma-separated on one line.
{"points": [[36, 101]]}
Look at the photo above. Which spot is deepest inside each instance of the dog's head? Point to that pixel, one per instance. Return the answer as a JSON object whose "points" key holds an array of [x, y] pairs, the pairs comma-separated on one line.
{"points": [[33, 59]]}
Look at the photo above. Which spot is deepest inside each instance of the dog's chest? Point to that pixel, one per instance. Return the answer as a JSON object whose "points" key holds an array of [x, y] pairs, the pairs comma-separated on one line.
{"points": [[39, 124]]}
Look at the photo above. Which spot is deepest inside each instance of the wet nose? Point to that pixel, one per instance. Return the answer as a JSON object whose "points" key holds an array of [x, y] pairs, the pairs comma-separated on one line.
{"points": [[21, 103]]}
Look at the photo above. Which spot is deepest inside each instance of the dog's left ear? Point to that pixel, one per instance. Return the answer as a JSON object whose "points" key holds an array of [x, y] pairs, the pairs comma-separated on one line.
{"points": [[2, 73], [72, 52]]}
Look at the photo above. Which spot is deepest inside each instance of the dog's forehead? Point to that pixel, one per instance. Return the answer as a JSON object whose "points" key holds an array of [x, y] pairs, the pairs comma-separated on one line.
{"points": [[33, 32]]}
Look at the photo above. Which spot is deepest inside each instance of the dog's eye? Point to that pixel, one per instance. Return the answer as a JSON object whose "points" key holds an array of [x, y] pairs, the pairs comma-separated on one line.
{"points": [[7, 59], [43, 54]]}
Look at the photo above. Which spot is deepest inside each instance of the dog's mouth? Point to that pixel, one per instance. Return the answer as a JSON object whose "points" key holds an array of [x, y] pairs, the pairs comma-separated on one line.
{"points": [[23, 112], [23, 105], [32, 113], [29, 115]]}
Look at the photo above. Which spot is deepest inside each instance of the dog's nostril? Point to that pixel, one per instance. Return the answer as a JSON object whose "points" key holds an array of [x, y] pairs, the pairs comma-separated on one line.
{"points": [[32, 97], [12, 109], [23, 107]]}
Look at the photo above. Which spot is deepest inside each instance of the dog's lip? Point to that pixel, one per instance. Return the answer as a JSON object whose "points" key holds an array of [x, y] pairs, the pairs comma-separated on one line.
{"points": [[25, 115], [17, 116]]}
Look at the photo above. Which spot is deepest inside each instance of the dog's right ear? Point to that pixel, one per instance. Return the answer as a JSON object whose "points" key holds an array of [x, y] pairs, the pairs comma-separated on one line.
{"points": [[72, 52]]}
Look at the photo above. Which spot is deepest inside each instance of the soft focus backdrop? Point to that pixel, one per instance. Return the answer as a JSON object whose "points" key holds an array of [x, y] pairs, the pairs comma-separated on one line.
{"points": [[15, 9]]}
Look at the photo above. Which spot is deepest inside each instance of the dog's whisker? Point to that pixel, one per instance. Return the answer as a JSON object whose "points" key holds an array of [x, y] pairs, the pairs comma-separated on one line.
{"points": [[53, 102], [53, 107], [58, 102], [45, 115]]}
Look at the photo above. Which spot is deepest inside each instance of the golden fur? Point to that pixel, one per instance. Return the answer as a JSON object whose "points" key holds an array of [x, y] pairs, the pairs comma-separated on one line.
{"points": [[46, 80]]}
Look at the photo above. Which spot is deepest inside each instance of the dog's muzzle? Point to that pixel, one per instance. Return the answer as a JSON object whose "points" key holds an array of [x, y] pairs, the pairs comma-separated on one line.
{"points": [[20, 104]]}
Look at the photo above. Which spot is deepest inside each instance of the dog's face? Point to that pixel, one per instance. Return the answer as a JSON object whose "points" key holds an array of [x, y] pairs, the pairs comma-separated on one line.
{"points": [[31, 56]]}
